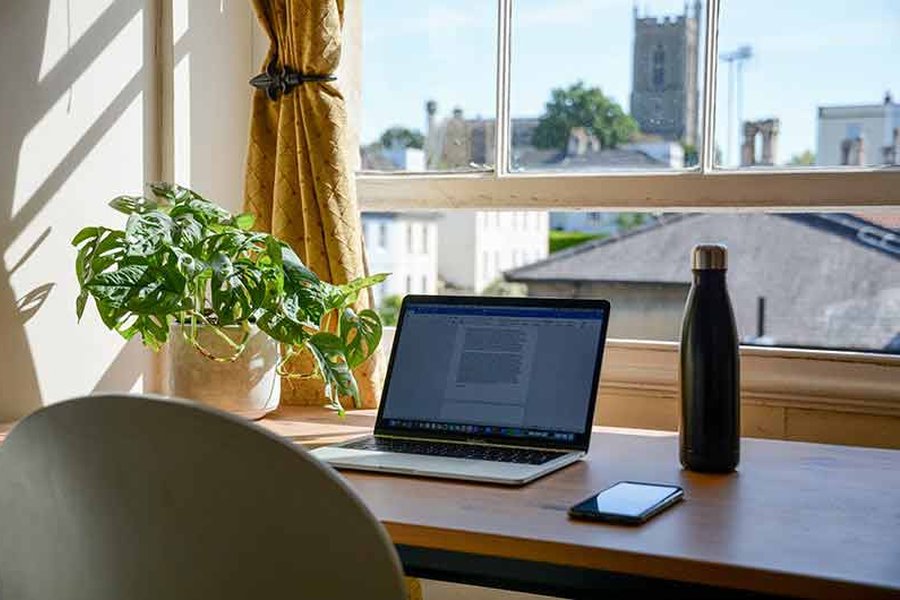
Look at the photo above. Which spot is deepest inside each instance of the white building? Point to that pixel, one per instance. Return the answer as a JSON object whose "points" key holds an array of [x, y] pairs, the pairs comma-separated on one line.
{"points": [[861, 135], [406, 246], [476, 247]]}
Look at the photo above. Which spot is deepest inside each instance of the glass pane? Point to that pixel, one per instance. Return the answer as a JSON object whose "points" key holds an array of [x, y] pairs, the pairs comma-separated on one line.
{"points": [[601, 85], [808, 83], [429, 85], [810, 280]]}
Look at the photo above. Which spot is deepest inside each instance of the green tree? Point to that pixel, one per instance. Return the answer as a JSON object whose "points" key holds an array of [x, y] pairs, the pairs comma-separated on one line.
{"points": [[407, 138], [630, 220], [389, 310], [805, 158], [580, 106]]}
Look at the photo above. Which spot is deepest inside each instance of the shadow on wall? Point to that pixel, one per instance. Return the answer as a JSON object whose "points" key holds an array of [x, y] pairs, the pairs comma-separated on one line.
{"points": [[28, 95]]}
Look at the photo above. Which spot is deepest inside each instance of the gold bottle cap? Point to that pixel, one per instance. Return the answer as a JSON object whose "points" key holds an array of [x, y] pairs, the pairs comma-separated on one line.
{"points": [[709, 257]]}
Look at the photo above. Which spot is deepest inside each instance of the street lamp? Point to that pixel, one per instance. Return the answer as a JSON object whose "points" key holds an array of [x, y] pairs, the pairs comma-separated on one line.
{"points": [[735, 57]]}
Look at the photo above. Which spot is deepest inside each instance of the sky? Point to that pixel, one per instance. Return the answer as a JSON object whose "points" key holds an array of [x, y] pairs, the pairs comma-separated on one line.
{"points": [[806, 54]]}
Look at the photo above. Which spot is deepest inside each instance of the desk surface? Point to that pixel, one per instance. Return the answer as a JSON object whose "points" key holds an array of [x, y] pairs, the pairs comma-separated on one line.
{"points": [[796, 519]]}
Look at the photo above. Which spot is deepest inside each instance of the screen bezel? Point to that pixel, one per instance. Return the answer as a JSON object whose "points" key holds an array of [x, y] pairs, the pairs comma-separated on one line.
{"points": [[581, 441]]}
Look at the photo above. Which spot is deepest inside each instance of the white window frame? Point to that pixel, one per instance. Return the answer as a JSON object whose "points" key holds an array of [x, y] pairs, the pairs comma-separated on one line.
{"points": [[840, 380]]}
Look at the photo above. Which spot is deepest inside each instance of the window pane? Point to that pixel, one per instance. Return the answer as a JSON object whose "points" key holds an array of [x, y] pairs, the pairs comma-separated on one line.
{"points": [[806, 280], [808, 83], [601, 85], [429, 85]]}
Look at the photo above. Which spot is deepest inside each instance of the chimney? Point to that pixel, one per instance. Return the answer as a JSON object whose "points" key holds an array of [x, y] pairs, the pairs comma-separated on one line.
{"points": [[771, 128], [853, 152], [430, 111]]}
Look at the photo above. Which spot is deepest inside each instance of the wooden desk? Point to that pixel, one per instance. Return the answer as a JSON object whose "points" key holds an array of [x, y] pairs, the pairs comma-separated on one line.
{"points": [[797, 519]]}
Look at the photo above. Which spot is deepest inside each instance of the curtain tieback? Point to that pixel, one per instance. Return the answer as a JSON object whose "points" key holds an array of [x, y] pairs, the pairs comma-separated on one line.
{"points": [[280, 80]]}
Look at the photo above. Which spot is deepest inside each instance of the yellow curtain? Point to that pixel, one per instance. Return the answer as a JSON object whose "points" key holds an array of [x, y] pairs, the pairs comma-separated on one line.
{"points": [[298, 181]]}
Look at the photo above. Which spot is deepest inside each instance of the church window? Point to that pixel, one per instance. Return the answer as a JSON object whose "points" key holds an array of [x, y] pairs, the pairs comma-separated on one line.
{"points": [[659, 67]]}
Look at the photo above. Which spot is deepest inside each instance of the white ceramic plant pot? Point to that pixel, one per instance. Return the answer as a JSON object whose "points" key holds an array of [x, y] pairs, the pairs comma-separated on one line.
{"points": [[247, 386]]}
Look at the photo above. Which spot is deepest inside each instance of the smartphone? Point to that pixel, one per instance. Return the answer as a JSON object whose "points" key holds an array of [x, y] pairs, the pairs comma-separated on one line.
{"points": [[628, 502]]}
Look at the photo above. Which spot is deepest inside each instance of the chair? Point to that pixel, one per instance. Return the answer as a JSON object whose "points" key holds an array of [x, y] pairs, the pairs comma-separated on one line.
{"points": [[125, 497]]}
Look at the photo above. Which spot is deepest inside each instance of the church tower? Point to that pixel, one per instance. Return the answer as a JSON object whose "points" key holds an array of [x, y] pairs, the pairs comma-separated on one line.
{"points": [[664, 76]]}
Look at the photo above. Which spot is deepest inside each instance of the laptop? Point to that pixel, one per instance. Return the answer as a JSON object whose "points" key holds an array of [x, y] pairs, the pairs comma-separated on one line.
{"points": [[500, 390]]}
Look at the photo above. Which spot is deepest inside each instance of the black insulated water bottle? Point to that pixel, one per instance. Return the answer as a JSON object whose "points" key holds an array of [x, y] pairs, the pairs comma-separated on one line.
{"points": [[710, 368]]}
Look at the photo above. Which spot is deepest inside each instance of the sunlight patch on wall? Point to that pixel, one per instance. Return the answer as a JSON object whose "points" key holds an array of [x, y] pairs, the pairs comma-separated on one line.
{"points": [[67, 22], [51, 147]]}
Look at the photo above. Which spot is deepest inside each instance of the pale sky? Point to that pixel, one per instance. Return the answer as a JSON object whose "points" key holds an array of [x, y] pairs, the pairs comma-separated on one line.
{"points": [[807, 53]]}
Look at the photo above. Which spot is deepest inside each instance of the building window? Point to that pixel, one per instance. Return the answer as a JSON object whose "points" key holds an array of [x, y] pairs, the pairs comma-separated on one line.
{"points": [[382, 235], [409, 284], [425, 238], [409, 238], [659, 67], [425, 289]]}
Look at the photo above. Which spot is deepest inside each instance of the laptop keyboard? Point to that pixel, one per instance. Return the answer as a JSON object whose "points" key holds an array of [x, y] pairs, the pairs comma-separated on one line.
{"points": [[470, 451]]}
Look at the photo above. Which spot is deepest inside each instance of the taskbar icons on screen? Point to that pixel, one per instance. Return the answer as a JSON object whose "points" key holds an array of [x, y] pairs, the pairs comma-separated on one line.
{"points": [[478, 430]]}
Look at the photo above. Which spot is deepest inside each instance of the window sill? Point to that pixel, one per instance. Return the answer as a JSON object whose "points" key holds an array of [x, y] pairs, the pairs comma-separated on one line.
{"points": [[804, 395]]}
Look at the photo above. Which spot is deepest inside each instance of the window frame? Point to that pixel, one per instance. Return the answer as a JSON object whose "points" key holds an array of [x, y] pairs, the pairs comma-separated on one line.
{"points": [[846, 381]]}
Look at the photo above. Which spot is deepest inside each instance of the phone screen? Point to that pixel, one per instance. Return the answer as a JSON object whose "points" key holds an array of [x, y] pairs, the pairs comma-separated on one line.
{"points": [[629, 500]]}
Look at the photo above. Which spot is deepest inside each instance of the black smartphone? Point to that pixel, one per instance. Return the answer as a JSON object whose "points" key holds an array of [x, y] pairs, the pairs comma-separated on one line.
{"points": [[628, 502]]}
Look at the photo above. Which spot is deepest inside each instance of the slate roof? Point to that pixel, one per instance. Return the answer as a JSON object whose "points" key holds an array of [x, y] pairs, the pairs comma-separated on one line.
{"points": [[827, 278]]}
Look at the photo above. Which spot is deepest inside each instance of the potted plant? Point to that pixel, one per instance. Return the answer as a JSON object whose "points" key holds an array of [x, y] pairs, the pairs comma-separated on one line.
{"points": [[228, 297]]}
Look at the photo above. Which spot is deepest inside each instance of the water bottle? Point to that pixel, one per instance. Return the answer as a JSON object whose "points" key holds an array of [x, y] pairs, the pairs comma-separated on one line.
{"points": [[710, 369]]}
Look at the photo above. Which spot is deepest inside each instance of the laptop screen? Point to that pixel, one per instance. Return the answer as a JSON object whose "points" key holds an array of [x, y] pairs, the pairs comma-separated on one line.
{"points": [[518, 370]]}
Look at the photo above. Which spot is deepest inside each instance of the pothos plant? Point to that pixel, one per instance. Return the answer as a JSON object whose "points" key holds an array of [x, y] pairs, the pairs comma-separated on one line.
{"points": [[183, 259]]}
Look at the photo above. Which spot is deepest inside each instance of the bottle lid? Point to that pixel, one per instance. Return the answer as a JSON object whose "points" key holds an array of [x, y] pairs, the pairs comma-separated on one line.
{"points": [[709, 257]]}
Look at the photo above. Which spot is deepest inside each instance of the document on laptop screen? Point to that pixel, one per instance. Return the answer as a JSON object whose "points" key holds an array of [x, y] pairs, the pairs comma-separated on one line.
{"points": [[505, 366]]}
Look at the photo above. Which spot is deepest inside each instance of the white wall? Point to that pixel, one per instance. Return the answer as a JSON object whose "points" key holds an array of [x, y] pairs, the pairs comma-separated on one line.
{"points": [[213, 61], [75, 92], [412, 269], [876, 123], [457, 248], [509, 239], [476, 247]]}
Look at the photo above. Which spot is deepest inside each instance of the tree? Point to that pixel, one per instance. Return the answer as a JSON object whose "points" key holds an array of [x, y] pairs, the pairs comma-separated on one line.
{"points": [[805, 158], [406, 138], [630, 220], [389, 311], [580, 106]]}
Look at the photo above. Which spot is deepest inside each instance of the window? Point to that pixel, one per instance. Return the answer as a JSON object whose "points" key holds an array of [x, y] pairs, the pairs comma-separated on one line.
{"points": [[409, 238], [425, 289], [425, 238], [382, 235], [434, 61], [659, 66], [754, 124], [409, 288]]}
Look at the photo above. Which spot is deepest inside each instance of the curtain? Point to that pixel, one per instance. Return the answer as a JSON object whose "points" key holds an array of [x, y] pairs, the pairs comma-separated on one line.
{"points": [[298, 180]]}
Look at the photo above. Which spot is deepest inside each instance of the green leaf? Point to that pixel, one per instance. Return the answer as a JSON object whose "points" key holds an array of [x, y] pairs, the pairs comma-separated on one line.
{"points": [[146, 233], [85, 234], [244, 221], [328, 352], [134, 204], [172, 192], [80, 302], [341, 296], [361, 334], [237, 290]]}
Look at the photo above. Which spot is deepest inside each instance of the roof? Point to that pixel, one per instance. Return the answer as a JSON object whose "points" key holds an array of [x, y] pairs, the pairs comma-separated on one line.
{"points": [[648, 253], [828, 279]]}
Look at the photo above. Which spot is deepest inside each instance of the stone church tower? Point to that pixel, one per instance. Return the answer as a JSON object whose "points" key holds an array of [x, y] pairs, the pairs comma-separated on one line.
{"points": [[664, 80]]}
